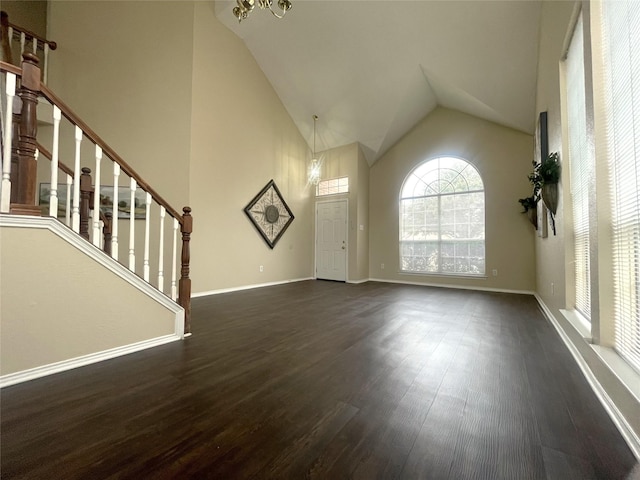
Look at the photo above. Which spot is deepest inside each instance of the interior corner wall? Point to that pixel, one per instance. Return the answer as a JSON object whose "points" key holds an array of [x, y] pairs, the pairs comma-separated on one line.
{"points": [[363, 217], [241, 137], [503, 159], [125, 68]]}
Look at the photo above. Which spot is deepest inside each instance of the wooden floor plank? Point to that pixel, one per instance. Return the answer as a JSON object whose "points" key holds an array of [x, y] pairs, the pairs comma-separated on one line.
{"points": [[325, 380]]}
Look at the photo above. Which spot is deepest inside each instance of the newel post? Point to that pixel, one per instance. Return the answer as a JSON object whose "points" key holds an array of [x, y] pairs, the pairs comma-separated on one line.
{"points": [[86, 191], [184, 285], [27, 145]]}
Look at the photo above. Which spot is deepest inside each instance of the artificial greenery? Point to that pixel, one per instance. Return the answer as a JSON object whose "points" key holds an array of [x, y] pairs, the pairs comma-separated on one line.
{"points": [[546, 172], [528, 203]]}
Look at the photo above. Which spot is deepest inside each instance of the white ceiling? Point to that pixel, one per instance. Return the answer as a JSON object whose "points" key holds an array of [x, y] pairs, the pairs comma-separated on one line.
{"points": [[371, 70]]}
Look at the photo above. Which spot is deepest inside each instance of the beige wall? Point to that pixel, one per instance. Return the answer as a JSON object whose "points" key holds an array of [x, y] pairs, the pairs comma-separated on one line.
{"points": [[183, 101], [363, 218], [125, 68], [241, 137], [31, 15], [92, 310], [553, 254], [503, 158]]}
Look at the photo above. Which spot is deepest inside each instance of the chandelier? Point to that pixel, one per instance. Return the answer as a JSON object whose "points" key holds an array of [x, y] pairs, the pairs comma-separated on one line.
{"points": [[245, 6], [314, 168]]}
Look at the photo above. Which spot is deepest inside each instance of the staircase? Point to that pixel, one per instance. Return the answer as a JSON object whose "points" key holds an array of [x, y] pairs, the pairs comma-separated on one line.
{"points": [[116, 218]]}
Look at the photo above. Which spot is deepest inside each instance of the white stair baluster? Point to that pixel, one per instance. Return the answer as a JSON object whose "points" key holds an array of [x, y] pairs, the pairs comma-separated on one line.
{"points": [[68, 206], [75, 210], [46, 62], [36, 156], [174, 290], [53, 196], [5, 195], [132, 229], [23, 39], [96, 200], [34, 45], [147, 221], [161, 250], [114, 215], [100, 238], [10, 32]]}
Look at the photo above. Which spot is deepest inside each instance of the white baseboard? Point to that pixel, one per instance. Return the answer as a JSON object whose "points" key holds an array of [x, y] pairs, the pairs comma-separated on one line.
{"points": [[247, 287], [50, 369], [632, 439], [359, 281], [460, 287]]}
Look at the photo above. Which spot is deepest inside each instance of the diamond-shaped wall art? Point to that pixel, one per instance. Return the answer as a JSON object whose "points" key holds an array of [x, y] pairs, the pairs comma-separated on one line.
{"points": [[269, 213]]}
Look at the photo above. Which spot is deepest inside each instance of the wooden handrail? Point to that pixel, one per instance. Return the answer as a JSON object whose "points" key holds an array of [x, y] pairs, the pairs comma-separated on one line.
{"points": [[30, 35], [30, 89], [11, 68], [93, 136]]}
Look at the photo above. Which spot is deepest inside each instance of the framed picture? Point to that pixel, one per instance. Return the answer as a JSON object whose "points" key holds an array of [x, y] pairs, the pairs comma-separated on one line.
{"points": [[106, 200], [269, 213], [541, 150]]}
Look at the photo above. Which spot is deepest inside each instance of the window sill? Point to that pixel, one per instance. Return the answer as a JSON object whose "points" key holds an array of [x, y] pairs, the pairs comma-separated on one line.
{"points": [[446, 275], [616, 364], [580, 323]]}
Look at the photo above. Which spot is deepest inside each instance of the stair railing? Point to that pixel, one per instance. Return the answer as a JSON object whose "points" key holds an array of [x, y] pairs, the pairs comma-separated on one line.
{"points": [[18, 188], [14, 36]]}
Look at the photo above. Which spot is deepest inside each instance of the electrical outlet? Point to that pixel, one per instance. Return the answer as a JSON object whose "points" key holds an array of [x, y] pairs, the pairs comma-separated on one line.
{"points": [[382, 266], [261, 268], [494, 272]]}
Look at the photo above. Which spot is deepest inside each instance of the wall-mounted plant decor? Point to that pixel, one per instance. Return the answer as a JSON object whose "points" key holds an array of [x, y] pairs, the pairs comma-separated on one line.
{"points": [[269, 213], [545, 178], [532, 205]]}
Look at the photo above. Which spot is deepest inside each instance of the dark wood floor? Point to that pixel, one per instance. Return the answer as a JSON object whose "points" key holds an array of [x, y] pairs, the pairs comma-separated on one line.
{"points": [[329, 381]]}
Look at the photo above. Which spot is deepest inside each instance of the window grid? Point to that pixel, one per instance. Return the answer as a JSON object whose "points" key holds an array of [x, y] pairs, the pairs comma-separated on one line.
{"points": [[333, 186], [442, 219]]}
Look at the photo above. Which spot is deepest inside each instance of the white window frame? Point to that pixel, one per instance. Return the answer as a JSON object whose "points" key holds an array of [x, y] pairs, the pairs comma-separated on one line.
{"points": [[332, 186], [440, 241]]}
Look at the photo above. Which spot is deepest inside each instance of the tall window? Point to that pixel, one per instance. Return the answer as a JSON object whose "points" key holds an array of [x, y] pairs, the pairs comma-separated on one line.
{"points": [[621, 65], [580, 167], [442, 219]]}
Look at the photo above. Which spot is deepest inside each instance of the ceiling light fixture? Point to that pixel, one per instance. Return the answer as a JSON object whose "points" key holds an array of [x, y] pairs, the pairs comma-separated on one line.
{"points": [[315, 167], [245, 6]]}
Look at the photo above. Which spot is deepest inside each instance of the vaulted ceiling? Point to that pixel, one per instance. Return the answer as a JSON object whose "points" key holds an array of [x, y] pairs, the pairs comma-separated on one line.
{"points": [[371, 70]]}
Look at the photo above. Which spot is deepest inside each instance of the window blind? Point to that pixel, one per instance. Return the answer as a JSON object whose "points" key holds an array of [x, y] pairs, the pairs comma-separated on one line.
{"points": [[621, 48], [579, 166]]}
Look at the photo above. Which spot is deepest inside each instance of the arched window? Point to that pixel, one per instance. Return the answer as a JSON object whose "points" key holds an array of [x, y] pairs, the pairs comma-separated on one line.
{"points": [[442, 219]]}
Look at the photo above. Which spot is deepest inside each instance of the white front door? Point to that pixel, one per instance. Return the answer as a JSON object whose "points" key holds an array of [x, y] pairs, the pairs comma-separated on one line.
{"points": [[331, 240]]}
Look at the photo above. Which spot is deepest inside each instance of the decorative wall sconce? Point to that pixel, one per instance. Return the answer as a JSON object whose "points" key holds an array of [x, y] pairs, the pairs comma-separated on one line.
{"points": [[245, 6], [315, 167]]}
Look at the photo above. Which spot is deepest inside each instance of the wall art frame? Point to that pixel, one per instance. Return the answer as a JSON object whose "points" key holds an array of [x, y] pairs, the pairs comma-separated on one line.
{"points": [[269, 214]]}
